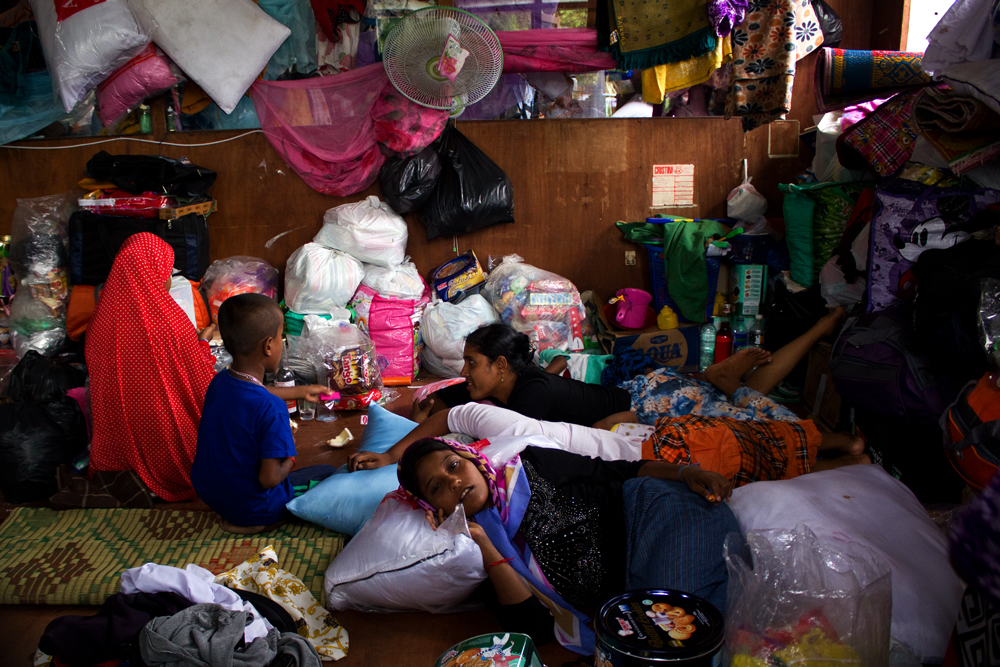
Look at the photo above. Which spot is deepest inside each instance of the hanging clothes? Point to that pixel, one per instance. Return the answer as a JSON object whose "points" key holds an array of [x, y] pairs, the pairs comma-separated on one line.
{"points": [[148, 372], [644, 36], [766, 46], [663, 79]]}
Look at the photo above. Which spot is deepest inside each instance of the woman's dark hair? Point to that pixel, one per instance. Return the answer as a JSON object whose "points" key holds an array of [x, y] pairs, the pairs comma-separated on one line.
{"points": [[411, 457], [502, 340]]}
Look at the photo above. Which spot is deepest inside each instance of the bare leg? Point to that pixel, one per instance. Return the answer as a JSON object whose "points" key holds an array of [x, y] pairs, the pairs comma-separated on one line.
{"points": [[842, 442], [617, 418], [767, 376], [727, 374]]}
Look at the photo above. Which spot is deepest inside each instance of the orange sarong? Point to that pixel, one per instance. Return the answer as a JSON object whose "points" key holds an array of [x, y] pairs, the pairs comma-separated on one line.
{"points": [[743, 451]]}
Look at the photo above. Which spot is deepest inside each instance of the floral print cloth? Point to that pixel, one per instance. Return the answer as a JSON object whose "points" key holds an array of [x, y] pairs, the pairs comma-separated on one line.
{"points": [[260, 574], [774, 35], [665, 393]]}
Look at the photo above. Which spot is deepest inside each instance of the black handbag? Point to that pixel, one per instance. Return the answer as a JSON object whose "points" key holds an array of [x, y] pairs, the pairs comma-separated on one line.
{"points": [[94, 241], [151, 173]]}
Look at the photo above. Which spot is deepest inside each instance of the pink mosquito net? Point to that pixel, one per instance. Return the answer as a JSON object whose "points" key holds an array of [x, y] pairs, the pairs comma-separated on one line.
{"points": [[328, 128], [570, 50]]}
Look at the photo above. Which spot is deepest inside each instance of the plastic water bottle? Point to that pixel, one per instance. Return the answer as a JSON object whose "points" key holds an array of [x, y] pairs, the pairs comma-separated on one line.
{"points": [[724, 337], [739, 334], [707, 345], [756, 333], [286, 378]]}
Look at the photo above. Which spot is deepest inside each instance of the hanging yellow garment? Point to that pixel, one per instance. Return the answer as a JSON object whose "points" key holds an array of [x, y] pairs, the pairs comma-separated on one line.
{"points": [[662, 79]]}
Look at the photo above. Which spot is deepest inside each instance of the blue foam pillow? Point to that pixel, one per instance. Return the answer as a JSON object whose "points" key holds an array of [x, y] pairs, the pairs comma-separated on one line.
{"points": [[346, 500]]}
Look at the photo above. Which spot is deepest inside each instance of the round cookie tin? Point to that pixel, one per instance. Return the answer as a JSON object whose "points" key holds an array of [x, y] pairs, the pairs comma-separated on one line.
{"points": [[651, 628]]}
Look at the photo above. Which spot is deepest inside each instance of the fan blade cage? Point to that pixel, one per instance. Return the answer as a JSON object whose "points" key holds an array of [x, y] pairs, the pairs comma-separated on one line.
{"points": [[414, 45]]}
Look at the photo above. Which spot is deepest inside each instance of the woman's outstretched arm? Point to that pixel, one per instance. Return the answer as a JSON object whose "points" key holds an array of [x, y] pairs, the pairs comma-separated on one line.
{"points": [[435, 425]]}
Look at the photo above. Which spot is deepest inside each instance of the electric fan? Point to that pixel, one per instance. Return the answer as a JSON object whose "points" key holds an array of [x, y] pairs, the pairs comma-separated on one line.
{"points": [[442, 58]]}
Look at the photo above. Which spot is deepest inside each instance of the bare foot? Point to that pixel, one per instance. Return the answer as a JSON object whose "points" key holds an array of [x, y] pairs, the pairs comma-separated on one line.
{"points": [[246, 530], [850, 445], [830, 323], [728, 374]]}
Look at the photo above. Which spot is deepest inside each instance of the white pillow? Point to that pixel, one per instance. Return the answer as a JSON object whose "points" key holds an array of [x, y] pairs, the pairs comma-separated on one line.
{"points": [[222, 44], [83, 46], [398, 563], [864, 504]]}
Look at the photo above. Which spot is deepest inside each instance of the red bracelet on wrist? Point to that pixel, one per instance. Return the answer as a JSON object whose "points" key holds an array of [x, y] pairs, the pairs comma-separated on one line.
{"points": [[499, 562], [293, 462]]}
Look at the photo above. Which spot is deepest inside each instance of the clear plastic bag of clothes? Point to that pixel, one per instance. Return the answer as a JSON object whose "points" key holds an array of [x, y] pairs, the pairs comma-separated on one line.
{"points": [[797, 599], [539, 303], [239, 274], [342, 358], [989, 318]]}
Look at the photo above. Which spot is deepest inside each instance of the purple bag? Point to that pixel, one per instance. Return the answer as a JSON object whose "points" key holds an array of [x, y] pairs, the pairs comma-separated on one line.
{"points": [[909, 219], [873, 367]]}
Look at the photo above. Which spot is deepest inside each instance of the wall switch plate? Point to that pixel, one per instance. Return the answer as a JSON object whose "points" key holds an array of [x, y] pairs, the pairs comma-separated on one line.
{"points": [[630, 258]]}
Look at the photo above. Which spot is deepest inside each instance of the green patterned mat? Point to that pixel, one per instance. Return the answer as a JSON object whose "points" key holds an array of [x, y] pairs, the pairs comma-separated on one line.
{"points": [[77, 556]]}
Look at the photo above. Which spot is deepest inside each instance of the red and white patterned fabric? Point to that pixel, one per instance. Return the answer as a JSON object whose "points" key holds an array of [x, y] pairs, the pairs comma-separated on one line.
{"points": [[148, 373]]}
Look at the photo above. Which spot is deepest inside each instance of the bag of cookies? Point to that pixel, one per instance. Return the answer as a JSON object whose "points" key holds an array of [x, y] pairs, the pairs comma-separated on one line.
{"points": [[344, 360]]}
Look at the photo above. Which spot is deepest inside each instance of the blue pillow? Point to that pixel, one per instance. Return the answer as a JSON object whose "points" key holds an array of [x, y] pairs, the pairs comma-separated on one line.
{"points": [[346, 500]]}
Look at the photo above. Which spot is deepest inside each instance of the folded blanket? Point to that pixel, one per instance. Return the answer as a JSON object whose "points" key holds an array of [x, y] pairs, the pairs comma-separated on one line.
{"points": [[964, 130], [648, 34], [975, 79], [844, 77]]}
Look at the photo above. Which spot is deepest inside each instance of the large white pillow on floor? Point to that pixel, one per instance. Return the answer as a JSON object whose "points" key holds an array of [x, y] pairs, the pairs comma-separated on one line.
{"points": [[864, 504], [222, 44], [398, 563]]}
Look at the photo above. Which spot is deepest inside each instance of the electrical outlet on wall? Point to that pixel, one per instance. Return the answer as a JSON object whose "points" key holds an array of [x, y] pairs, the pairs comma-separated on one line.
{"points": [[630, 258]]}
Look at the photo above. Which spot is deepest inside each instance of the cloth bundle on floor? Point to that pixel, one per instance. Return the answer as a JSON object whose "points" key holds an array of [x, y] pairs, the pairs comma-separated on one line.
{"points": [[261, 574], [846, 77], [964, 130]]}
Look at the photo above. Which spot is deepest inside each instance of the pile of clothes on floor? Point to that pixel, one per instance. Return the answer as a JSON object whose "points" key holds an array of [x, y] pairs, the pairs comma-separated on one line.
{"points": [[255, 614]]}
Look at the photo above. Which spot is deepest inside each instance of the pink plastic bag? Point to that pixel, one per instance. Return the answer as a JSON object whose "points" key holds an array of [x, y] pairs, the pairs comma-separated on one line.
{"points": [[394, 327], [565, 50], [325, 127], [149, 73]]}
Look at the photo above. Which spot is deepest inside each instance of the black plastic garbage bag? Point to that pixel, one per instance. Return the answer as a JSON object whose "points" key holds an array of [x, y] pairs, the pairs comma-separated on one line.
{"points": [[829, 23], [472, 192], [38, 378], [35, 438], [151, 173], [407, 182]]}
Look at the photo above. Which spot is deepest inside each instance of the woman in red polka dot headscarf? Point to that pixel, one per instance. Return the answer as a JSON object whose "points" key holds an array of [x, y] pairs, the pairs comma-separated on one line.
{"points": [[149, 370]]}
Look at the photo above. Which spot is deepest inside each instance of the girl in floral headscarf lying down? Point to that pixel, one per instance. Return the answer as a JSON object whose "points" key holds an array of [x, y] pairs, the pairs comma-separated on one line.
{"points": [[559, 531]]}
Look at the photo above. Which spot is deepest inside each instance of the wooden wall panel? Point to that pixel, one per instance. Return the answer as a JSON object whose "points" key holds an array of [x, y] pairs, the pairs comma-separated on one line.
{"points": [[572, 181]]}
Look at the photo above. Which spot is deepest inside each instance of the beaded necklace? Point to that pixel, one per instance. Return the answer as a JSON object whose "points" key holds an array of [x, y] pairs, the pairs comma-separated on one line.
{"points": [[247, 376]]}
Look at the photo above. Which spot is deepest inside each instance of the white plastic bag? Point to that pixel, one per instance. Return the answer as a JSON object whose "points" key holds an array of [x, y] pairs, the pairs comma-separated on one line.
{"points": [[240, 274], [796, 599], [402, 281], [864, 504], [181, 292], [369, 230], [826, 166], [834, 288], [398, 563], [343, 359], [319, 279], [83, 42], [539, 303], [746, 204], [444, 327], [223, 45]]}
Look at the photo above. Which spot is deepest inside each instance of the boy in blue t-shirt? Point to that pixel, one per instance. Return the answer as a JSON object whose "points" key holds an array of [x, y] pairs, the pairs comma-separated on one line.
{"points": [[245, 446]]}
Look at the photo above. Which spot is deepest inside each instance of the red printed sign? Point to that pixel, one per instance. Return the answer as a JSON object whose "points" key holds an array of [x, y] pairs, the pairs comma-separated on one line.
{"points": [[66, 8]]}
